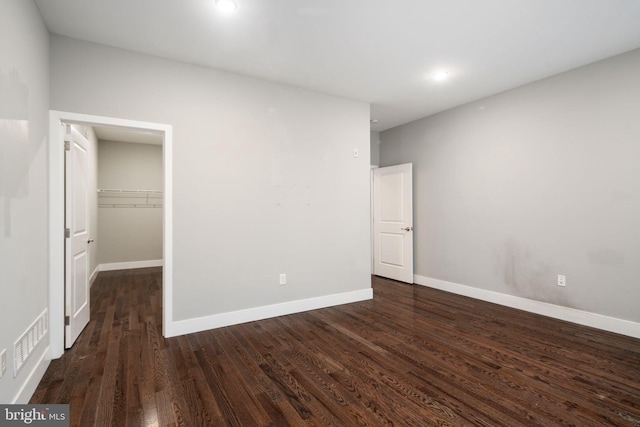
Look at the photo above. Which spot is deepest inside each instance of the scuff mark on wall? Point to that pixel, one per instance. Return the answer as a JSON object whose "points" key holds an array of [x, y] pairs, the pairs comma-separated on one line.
{"points": [[527, 275]]}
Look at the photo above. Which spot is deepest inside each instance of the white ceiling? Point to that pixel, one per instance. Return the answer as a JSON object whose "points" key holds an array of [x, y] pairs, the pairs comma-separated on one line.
{"points": [[378, 51]]}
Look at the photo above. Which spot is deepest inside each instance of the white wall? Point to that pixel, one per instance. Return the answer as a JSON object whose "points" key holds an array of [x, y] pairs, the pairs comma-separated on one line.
{"points": [[265, 181], [24, 103], [129, 234], [512, 190]]}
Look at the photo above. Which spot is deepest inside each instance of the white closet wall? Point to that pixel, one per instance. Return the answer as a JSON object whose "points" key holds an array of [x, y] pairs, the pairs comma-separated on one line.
{"points": [[129, 202]]}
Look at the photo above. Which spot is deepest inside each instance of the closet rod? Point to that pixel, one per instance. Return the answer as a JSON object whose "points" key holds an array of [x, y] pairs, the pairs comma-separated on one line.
{"points": [[109, 190]]}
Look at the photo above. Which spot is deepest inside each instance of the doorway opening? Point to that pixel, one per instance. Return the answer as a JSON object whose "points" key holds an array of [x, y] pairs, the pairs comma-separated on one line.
{"points": [[392, 222], [57, 122]]}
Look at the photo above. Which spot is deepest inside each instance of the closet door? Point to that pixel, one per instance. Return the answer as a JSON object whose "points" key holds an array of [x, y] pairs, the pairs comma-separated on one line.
{"points": [[77, 235]]}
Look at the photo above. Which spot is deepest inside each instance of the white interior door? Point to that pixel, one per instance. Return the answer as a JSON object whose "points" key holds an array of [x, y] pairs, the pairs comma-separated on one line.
{"points": [[77, 235], [393, 222]]}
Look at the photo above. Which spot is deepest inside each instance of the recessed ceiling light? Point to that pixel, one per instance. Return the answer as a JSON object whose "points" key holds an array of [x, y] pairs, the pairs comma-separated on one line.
{"points": [[226, 6], [440, 76]]}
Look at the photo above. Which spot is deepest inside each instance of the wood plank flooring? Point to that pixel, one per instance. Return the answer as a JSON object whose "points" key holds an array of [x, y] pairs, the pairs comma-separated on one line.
{"points": [[412, 356]]}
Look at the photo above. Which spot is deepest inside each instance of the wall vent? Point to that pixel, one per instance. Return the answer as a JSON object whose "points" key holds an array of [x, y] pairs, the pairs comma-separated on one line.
{"points": [[26, 344]]}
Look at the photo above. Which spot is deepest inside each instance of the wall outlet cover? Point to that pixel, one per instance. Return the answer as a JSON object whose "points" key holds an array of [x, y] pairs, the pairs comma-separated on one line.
{"points": [[562, 280]]}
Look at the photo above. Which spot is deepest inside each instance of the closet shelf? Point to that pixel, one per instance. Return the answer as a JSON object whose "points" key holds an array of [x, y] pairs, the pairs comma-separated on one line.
{"points": [[129, 198]]}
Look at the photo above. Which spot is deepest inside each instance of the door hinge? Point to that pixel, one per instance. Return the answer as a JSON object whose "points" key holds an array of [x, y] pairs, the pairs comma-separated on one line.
{"points": [[67, 233], [67, 320], [67, 145]]}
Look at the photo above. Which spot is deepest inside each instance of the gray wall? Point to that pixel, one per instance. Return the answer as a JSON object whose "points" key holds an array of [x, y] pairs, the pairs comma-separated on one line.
{"points": [[24, 103], [512, 190], [129, 234], [375, 148], [264, 178]]}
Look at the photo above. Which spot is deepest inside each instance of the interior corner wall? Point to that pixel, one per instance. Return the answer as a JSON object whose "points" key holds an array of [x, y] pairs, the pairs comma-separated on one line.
{"points": [[375, 148], [24, 123], [129, 234], [512, 190], [264, 177]]}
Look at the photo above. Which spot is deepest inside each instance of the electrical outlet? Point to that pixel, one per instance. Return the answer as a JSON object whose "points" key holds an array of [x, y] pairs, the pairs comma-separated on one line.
{"points": [[283, 279], [562, 280], [3, 362]]}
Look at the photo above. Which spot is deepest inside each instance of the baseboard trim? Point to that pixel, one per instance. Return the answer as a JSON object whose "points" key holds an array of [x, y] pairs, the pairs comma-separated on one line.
{"points": [[585, 318], [130, 265], [265, 312], [94, 276], [35, 376]]}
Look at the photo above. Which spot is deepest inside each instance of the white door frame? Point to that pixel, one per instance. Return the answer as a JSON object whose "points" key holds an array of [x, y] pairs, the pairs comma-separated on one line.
{"points": [[57, 207], [371, 208]]}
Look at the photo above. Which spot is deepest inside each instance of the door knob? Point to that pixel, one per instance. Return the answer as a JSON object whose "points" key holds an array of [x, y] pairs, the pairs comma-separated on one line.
{"points": [[407, 229], [90, 241]]}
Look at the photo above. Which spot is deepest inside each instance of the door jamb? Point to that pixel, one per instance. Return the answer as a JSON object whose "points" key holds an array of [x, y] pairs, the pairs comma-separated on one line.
{"points": [[371, 218], [56, 217]]}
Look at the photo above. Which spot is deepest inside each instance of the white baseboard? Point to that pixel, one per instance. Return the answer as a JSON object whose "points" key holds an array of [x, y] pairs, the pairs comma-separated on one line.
{"points": [[586, 318], [33, 379], [130, 265], [189, 326], [94, 275]]}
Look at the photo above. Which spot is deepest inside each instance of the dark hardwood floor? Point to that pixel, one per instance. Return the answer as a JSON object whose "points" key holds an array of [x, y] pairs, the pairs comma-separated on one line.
{"points": [[412, 356]]}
